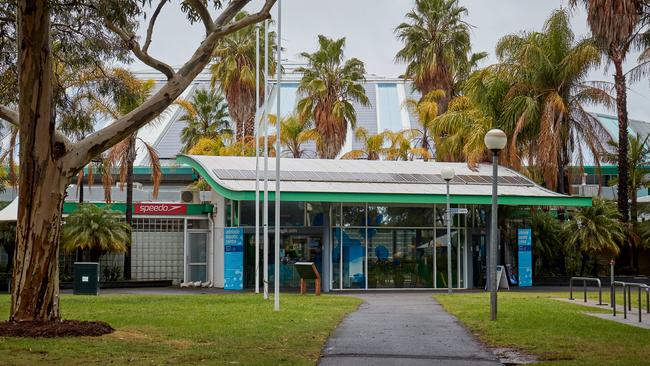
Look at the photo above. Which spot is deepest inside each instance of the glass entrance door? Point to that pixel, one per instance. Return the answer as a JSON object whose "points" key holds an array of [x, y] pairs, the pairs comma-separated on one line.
{"points": [[197, 256]]}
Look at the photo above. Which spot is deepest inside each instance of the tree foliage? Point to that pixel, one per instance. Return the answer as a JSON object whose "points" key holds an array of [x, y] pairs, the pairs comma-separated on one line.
{"points": [[206, 116], [330, 85]]}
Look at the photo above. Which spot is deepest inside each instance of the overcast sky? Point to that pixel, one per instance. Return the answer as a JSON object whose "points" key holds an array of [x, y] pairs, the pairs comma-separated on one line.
{"points": [[368, 26]]}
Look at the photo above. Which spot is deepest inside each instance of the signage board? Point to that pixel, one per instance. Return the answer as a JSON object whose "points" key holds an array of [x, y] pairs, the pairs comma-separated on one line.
{"points": [[233, 268], [159, 209], [525, 257], [458, 211]]}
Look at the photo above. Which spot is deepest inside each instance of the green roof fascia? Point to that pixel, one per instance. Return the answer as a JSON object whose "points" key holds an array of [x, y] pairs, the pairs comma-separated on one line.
{"points": [[166, 170], [192, 209], [592, 169], [384, 197]]}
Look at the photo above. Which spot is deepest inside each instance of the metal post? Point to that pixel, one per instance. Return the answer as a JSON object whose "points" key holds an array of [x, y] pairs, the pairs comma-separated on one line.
{"points": [[647, 300], [629, 298], [257, 161], [448, 241], [613, 299], [571, 289], [624, 303], [493, 239], [266, 165], [639, 304], [584, 290], [611, 284], [276, 306]]}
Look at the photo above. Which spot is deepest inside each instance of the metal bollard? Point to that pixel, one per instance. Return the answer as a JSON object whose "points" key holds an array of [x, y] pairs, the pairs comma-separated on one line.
{"points": [[639, 304], [613, 299], [584, 289], [611, 285], [647, 299], [629, 298], [624, 303]]}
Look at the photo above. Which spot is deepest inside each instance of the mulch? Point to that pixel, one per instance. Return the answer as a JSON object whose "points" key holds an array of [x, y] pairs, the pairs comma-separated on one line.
{"points": [[53, 329]]}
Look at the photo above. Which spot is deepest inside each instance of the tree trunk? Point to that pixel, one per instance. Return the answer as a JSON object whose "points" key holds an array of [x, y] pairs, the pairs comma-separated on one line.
{"points": [[129, 205], [585, 257], [621, 106], [42, 181]]}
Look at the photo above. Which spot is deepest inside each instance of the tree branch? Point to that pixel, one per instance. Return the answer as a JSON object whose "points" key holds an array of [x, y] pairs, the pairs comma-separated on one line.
{"points": [[100, 141], [152, 21], [143, 56], [9, 115], [204, 13]]}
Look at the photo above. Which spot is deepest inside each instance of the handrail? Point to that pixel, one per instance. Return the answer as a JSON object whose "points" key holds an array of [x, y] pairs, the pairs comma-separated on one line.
{"points": [[627, 300], [584, 287]]}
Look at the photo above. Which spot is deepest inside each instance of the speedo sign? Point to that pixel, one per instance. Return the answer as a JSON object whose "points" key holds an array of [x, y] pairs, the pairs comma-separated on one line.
{"points": [[159, 209]]}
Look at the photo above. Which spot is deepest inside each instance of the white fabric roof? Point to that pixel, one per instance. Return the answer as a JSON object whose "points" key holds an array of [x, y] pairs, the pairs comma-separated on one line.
{"points": [[359, 167], [10, 212]]}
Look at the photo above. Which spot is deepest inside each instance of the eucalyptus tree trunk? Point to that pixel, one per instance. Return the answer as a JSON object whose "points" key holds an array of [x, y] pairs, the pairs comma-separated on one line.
{"points": [[48, 160], [42, 180]]}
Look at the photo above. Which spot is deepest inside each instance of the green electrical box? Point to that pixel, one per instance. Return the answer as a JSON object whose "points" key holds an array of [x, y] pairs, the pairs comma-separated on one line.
{"points": [[86, 278]]}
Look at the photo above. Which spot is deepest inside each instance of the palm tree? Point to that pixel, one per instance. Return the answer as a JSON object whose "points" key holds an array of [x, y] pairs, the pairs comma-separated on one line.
{"points": [[373, 146], [615, 25], [206, 116], [233, 72], [460, 130], [548, 247], [437, 47], [548, 97], [330, 86], [97, 229], [130, 93], [426, 110], [294, 133], [638, 155], [595, 230]]}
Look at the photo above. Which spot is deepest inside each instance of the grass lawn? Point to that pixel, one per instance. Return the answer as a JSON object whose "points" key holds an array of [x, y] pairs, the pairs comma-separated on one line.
{"points": [[557, 332], [187, 329]]}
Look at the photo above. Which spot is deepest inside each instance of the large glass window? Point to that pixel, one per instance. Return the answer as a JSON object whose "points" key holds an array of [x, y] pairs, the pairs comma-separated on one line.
{"points": [[442, 276], [389, 108], [291, 213], [399, 258], [400, 216]]}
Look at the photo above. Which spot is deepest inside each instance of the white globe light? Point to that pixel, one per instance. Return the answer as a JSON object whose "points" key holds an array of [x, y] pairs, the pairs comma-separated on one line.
{"points": [[447, 173], [495, 139]]}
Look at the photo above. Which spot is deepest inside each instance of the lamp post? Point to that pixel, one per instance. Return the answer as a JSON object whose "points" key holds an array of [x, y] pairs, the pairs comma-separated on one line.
{"points": [[276, 298], [257, 160], [448, 174], [495, 140]]}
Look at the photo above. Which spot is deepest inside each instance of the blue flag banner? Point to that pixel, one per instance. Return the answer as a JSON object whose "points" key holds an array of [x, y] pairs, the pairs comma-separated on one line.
{"points": [[525, 257], [233, 258]]}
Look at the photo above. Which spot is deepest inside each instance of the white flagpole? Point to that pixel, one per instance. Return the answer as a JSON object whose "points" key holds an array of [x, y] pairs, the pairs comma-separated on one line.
{"points": [[257, 160], [277, 162], [266, 165]]}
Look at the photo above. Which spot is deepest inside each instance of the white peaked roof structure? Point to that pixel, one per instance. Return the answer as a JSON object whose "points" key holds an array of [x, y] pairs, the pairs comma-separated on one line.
{"points": [[374, 181], [10, 212]]}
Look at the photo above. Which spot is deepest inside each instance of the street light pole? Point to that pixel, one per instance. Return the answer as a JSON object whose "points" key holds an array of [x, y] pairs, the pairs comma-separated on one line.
{"points": [[495, 140], [257, 160], [448, 174], [276, 306], [265, 214]]}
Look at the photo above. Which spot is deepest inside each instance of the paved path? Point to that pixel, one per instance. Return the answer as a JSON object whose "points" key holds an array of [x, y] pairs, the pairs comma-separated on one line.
{"points": [[632, 315], [403, 329]]}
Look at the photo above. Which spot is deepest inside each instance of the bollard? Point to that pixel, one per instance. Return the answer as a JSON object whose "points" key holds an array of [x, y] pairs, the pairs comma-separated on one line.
{"points": [[611, 285], [624, 303], [613, 299], [647, 299], [639, 304], [584, 289], [629, 298]]}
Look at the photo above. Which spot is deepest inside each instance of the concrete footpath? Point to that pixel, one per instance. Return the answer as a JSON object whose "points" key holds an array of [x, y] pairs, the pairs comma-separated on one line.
{"points": [[403, 329]]}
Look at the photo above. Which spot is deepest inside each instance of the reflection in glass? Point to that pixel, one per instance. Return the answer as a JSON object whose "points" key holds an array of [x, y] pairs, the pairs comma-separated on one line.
{"points": [[400, 216], [441, 258], [354, 256], [400, 258]]}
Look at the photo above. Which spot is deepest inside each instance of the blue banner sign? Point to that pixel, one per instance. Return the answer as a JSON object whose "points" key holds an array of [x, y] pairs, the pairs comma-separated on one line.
{"points": [[233, 258], [525, 257]]}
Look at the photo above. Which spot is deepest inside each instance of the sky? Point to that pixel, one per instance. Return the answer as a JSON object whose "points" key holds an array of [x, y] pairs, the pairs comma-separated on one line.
{"points": [[368, 26]]}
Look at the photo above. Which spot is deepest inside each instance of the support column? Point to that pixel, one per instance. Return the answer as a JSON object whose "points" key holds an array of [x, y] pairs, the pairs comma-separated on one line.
{"points": [[327, 250]]}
